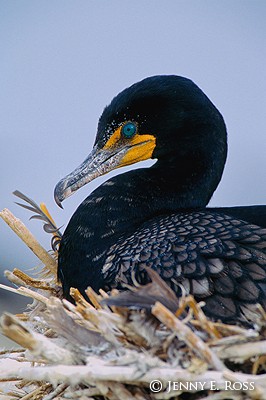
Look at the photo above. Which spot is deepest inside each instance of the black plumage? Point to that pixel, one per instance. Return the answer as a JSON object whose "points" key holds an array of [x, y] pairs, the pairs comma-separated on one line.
{"points": [[157, 217]]}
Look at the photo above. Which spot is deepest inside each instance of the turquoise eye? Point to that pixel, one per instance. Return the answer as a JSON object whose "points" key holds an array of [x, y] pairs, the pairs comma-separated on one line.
{"points": [[129, 129]]}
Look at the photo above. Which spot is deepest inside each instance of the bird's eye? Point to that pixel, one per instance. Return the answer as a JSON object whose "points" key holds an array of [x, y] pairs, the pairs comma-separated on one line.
{"points": [[129, 129]]}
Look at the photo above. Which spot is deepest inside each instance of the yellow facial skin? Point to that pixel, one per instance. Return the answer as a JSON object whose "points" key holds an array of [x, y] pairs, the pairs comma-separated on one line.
{"points": [[119, 151], [140, 147]]}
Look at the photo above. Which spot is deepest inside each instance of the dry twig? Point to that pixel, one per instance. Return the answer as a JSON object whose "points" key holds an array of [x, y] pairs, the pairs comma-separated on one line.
{"points": [[20, 229], [89, 350]]}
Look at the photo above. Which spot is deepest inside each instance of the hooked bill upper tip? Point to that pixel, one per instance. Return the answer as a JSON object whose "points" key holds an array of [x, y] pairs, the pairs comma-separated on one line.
{"points": [[58, 196], [58, 202]]}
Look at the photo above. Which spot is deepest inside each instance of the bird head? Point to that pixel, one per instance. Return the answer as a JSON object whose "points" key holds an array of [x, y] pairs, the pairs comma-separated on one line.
{"points": [[167, 118]]}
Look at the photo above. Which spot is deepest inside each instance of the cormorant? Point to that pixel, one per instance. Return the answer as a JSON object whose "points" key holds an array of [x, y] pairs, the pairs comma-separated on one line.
{"points": [[157, 216]]}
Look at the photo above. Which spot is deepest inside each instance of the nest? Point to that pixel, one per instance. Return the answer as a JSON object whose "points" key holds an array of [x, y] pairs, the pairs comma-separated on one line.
{"points": [[142, 343]]}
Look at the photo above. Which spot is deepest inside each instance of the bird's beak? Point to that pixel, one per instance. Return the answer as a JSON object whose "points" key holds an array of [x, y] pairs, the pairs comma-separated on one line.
{"points": [[100, 161]]}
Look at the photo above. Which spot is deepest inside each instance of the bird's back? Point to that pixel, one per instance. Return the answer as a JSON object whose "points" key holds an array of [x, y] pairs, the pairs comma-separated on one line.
{"points": [[219, 259], [138, 219]]}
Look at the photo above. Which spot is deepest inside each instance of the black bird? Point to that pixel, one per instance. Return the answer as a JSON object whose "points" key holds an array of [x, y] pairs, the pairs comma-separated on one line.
{"points": [[157, 216]]}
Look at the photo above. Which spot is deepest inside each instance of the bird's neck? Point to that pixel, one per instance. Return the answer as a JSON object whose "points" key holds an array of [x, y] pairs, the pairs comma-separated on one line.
{"points": [[184, 183], [121, 204], [118, 207]]}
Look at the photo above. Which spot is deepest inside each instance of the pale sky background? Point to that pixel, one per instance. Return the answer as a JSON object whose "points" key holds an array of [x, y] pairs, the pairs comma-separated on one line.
{"points": [[62, 61]]}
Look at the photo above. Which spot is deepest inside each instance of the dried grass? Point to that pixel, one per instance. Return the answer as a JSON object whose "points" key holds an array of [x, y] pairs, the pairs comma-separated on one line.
{"points": [[115, 346]]}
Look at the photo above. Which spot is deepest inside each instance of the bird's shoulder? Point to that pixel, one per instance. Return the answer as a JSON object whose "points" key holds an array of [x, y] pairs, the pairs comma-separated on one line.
{"points": [[216, 257]]}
